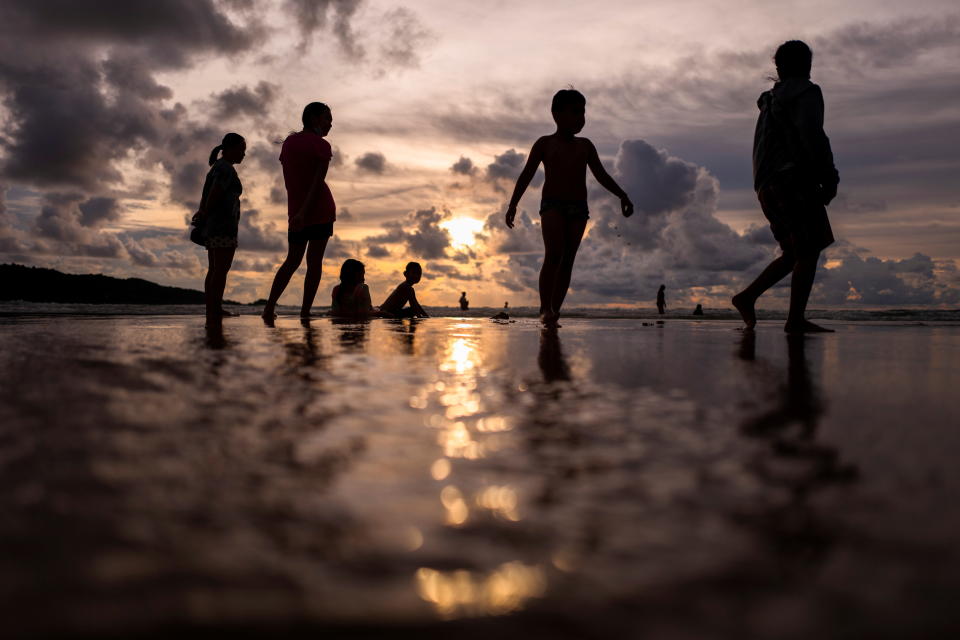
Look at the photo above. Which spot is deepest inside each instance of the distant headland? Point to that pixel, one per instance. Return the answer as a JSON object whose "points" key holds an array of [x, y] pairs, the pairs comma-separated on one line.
{"points": [[35, 284]]}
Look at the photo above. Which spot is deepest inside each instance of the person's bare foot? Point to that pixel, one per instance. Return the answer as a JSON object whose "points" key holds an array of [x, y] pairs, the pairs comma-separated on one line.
{"points": [[805, 326], [269, 313], [550, 319], [745, 306]]}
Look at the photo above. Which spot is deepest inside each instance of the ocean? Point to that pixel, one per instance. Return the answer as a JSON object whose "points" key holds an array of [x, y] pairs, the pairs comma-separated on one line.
{"points": [[467, 477]]}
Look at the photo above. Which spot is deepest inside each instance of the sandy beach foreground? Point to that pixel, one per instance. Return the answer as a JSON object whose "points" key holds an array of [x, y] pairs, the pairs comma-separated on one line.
{"points": [[466, 477]]}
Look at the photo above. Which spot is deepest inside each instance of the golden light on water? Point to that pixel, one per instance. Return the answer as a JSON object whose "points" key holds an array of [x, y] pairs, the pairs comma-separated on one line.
{"points": [[456, 506], [466, 593], [463, 231], [501, 501]]}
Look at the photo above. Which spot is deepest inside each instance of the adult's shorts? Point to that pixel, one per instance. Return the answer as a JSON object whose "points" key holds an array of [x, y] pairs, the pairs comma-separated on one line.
{"points": [[796, 214], [310, 232]]}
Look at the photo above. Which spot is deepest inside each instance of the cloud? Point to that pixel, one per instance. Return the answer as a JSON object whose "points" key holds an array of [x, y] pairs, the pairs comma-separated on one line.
{"points": [[378, 251], [314, 15], [257, 236], [426, 241], [448, 272], [506, 166], [243, 101], [464, 166], [372, 161], [405, 38], [870, 281], [99, 210]]}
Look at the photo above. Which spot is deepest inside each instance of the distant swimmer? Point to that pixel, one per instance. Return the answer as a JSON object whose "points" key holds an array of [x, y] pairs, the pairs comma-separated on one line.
{"points": [[464, 303], [502, 315], [395, 304], [661, 299], [698, 311]]}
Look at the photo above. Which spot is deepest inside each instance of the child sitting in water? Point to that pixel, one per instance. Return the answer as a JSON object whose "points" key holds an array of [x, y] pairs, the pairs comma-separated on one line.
{"points": [[351, 298], [403, 294], [563, 208]]}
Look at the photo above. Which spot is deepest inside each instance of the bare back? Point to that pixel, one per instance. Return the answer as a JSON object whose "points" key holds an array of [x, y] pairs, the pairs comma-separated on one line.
{"points": [[565, 166]]}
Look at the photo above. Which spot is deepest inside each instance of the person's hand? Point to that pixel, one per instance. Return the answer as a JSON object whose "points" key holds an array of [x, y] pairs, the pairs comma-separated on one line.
{"points": [[511, 215], [626, 207], [197, 217], [296, 222]]}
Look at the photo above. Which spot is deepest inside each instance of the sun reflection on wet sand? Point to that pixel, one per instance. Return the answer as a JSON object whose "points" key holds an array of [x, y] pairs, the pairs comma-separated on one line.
{"points": [[467, 593]]}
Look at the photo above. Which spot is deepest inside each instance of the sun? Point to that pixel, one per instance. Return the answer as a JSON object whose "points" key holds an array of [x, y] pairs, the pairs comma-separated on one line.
{"points": [[463, 231]]}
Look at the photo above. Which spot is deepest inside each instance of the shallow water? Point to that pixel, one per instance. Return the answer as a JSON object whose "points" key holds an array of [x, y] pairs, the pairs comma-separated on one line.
{"points": [[446, 475]]}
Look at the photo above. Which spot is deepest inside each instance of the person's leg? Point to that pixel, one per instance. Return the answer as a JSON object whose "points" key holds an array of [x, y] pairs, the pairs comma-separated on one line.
{"points": [[551, 225], [221, 260], [315, 250], [774, 273], [207, 286], [282, 279], [800, 286], [573, 229]]}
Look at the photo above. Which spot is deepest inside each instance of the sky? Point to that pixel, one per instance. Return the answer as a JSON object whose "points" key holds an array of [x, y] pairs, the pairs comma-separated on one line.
{"points": [[108, 116]]}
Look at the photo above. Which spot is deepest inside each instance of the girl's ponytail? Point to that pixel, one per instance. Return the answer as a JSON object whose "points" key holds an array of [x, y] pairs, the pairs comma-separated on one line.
{"points": [[215, 153]]}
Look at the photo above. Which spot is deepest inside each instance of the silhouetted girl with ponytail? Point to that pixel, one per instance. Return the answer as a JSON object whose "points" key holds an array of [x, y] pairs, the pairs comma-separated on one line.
{"points": [[218, 219]]}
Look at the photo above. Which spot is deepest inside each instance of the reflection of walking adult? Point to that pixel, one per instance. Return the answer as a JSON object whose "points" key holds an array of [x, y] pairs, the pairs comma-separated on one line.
{"points": [[661, 299], [464, 303], [305, 157], [795, 178], [218, 219]]}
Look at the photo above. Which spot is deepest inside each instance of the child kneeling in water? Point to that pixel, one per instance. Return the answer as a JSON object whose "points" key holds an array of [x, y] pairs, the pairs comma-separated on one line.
{"points": [[403, 294], [351, 298]]}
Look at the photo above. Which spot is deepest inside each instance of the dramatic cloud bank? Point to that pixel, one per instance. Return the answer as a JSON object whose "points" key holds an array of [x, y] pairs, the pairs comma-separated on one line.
{"points": [[109, 115]]}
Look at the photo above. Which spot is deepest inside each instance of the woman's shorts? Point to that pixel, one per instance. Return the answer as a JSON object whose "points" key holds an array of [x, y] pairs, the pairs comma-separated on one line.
{"points": [[221, 242], [310, 232], [797, 215], [572, 209]]}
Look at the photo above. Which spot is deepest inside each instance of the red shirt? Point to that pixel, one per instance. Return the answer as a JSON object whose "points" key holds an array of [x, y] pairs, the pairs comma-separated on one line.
{"points": [[302, 153]]}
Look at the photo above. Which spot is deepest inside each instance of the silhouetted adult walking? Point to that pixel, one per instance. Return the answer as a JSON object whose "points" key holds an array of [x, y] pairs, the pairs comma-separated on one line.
{"points": [[795, 178], [464, 303], [661, 299], [218, 218], [305, 157]]}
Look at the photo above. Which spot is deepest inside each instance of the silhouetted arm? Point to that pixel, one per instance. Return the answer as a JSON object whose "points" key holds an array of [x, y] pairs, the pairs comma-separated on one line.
{"points": [[607, 182], [415, 305], [523, 181], [318, 177], [808, 118]]}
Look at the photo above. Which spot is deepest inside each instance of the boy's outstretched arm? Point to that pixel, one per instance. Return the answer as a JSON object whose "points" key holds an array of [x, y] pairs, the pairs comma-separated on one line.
{"points": [[608, 183], [415, 305], [523, 181]]}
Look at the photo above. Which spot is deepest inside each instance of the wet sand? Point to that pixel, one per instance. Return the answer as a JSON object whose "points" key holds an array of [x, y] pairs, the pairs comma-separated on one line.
{"points": [[468, 478]]}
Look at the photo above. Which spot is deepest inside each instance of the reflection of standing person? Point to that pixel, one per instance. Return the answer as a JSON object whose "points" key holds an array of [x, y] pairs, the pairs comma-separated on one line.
{"points": [[661, 299], [464, 303], [218, 219], [795, 178], [305, 157]]}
